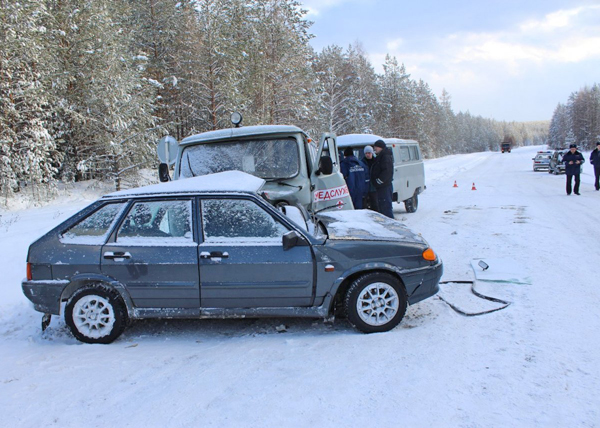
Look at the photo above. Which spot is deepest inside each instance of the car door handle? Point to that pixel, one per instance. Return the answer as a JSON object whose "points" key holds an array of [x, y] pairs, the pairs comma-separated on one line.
{"points": [[214, 254], [117, 255]]}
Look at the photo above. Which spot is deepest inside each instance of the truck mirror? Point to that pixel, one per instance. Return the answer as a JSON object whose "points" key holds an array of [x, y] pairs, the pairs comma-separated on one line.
{"points": [[325, 165], [163, 173]]}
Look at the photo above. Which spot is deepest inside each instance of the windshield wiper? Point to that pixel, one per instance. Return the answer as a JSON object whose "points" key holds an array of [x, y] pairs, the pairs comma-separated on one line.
{"points": [[190, 165], [281, 183]]}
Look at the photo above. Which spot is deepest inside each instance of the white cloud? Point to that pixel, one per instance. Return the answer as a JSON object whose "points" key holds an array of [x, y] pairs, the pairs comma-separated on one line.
{"points": [[316, 7]]}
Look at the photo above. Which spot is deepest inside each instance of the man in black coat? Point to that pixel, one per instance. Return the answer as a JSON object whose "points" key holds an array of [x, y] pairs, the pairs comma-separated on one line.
{"points": [[382, 174], [369, 160], [595, 160], [573, 161]]}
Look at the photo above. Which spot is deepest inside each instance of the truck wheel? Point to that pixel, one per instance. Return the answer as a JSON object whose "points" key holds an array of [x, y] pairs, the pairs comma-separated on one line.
{"points": [[96, 314], [375, 302], [412, 204]]}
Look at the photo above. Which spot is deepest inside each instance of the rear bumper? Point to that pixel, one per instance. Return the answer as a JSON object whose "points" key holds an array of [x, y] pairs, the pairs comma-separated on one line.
{"points": [[45, 295], [429, 286]]}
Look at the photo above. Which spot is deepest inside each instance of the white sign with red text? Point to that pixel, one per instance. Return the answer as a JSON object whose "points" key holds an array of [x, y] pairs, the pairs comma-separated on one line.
{"points": [[331, 194]]}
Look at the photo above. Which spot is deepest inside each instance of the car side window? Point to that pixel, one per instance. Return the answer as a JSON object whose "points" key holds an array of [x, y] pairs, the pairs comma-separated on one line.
{"points": [[238, 220], [167, 221], [94, 229], [404, 154]]}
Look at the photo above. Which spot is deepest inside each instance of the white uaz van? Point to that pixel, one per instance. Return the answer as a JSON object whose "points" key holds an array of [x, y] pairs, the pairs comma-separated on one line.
{"points": [[409, 170]]}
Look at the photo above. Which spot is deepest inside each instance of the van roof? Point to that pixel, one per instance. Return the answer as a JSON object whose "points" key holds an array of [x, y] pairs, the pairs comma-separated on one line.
{"points": [[241, 132], [353, 140], [228, 181]]}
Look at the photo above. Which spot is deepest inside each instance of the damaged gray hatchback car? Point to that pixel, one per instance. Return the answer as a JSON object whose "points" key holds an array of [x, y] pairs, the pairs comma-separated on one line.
{"points": [[213, 247]]}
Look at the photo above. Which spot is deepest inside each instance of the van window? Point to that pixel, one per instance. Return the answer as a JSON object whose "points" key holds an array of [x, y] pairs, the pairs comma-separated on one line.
{"points": [[276, 158], [414, 153], [404, 154]]}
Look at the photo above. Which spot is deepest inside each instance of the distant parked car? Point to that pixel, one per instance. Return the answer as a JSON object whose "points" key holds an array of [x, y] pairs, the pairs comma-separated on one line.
{"points": [[541, 160], [556, 164], [505, 147], [212, 247]]}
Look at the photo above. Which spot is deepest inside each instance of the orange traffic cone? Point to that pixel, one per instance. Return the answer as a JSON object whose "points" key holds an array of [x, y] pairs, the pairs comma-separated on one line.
{"points": [[455, 185], [473, 188]]}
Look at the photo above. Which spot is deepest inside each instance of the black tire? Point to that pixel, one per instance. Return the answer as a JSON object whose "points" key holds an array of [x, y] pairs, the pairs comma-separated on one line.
{"points": [[96, 314], [373, 318], [412, 204]]}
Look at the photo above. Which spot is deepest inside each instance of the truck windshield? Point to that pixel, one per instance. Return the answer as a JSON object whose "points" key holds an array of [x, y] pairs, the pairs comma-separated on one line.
{"points": [[268, 158]]}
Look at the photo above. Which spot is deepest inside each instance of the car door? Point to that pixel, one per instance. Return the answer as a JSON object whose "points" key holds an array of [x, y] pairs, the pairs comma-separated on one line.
{"points": [[329, 187], [153, 253], [242, 260]]}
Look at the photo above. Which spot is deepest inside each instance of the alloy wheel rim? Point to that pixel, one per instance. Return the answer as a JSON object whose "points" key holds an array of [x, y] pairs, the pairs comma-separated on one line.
{"points": [[93, 316], [377, 304]]}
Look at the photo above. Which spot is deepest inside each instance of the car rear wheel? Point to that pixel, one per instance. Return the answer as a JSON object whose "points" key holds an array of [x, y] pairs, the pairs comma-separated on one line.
{"points": [[96, 314], [375, 302]]}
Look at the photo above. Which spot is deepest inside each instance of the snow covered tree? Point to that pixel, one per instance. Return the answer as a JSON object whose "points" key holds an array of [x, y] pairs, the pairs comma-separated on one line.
{"points": [[27, 150], [104, 121]]}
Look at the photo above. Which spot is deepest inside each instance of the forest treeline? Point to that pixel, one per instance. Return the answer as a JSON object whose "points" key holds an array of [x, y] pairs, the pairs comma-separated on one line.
{"points": [[577, 121], [87, 87]]}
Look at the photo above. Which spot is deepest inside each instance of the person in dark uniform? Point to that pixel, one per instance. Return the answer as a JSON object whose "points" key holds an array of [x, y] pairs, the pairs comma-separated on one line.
{"points": [[595, 160], [369, 160], [356, 175], [382, 175], [573, 161]]}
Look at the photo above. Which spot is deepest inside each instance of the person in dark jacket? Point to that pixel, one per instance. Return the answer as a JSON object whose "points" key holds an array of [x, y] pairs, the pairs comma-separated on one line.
{"points": [[356, 175], [595, 160], [382, 175], [573, 161], [369, 160]]}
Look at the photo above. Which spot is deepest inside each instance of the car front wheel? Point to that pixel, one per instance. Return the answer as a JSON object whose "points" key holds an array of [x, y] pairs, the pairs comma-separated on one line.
{"points": [[375, 302], [96, 314]]}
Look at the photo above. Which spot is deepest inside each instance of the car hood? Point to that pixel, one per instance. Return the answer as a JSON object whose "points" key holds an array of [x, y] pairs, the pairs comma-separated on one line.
{"points": [[366, 225]]}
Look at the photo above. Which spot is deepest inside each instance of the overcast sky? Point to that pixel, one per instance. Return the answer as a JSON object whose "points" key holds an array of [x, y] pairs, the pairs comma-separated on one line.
{"points": [[501, 59]]}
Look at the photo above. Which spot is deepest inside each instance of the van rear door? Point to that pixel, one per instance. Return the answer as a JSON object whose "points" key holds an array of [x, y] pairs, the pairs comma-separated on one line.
{"points": [[329, 187]]}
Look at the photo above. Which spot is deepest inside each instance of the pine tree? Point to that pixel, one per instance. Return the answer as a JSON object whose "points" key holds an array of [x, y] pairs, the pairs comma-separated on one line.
{"points": [[27, 150]]}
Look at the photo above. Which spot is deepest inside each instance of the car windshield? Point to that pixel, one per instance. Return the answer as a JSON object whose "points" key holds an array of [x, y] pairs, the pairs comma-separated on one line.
{"points": [[265, 158]]}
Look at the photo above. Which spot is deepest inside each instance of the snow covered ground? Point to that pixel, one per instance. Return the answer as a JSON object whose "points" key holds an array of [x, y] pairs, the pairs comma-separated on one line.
{"points": [[535, 363]]}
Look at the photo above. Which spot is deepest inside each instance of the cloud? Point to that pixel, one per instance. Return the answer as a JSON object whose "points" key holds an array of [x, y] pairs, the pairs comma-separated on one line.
{"points": [[317, 7], [518, 62]]}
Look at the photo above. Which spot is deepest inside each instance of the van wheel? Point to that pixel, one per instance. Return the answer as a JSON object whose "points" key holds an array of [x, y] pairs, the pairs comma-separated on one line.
{"points": [[375, 302], [96, 314], [412, 204]]}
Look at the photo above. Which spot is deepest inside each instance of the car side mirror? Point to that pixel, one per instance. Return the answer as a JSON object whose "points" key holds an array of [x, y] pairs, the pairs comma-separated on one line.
{"points": [[163, 173], [325, 166], [293, 239]]}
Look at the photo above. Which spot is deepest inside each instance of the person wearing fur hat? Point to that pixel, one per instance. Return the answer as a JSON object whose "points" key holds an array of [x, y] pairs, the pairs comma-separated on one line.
{"points": [[573, 161], [595, 160], [382, 175]]}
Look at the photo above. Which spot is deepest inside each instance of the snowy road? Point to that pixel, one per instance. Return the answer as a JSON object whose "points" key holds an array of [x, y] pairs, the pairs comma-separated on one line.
{"points": [[534, 363]]}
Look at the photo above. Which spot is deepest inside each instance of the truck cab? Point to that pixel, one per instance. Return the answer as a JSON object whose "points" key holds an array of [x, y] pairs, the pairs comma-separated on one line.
{"points": [[505, 147], [296, 170]]}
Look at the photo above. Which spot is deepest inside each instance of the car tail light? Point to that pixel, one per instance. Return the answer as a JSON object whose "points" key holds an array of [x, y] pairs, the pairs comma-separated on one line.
{"points": [[429, 255], [29, 272]]}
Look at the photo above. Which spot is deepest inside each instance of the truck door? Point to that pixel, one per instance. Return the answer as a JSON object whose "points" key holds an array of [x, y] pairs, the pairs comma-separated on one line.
{"points": [[329, 187]]}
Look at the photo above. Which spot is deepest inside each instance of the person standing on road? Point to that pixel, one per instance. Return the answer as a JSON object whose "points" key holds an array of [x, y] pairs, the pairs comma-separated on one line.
{"points": [[382, 175], [573, 161], [595, 160], [356, 175], [369, 161]]}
